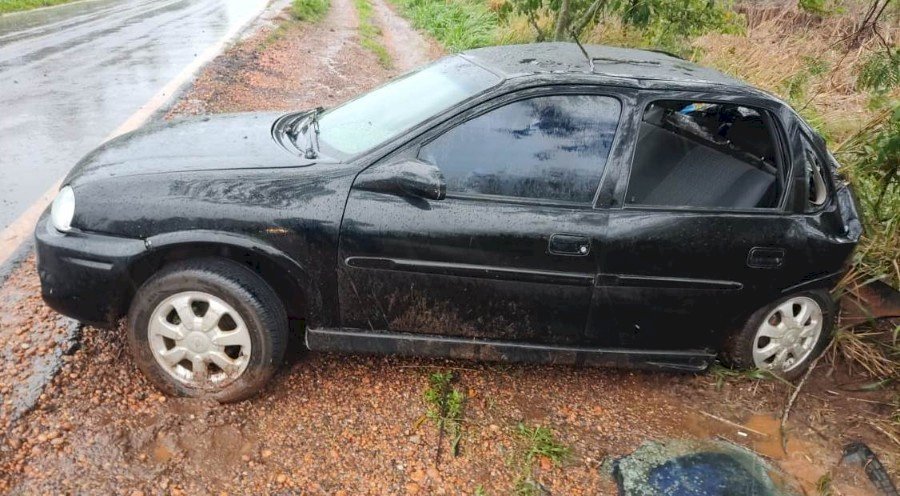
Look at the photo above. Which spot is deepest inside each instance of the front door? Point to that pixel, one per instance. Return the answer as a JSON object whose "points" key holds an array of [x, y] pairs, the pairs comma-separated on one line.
{"points": [[509, 254]]}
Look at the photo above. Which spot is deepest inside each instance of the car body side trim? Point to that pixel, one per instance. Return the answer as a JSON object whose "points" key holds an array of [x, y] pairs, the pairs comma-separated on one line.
{"points": [[471, 270], [639, 281], [368, 342], [92, 264], [826, 281]]}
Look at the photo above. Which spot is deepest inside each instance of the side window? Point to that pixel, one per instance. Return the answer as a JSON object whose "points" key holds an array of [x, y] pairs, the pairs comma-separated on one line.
{"points": [[713, 155], [549, 147], [816, 190]]}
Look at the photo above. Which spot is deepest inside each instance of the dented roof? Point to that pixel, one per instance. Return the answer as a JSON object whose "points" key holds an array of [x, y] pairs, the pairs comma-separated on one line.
{"points": [[543, 58]]}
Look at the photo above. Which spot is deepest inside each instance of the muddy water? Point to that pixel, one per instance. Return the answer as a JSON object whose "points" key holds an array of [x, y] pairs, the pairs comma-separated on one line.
{"points": [[803, 462]]}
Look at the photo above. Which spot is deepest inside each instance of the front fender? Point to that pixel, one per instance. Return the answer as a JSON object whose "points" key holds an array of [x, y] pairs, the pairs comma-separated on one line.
{"points": [[191, 243]]}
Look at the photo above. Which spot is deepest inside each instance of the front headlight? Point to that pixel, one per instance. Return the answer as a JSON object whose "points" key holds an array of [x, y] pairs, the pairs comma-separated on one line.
{"points": [[63, 209]]}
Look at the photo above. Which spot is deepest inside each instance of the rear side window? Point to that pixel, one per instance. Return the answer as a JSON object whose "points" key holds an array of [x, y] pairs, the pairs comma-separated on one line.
{"points": [[549, 148], [709, 155]]}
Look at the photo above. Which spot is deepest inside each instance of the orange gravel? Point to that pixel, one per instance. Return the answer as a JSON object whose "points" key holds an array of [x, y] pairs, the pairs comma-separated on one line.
{"points": [[331, 424]]}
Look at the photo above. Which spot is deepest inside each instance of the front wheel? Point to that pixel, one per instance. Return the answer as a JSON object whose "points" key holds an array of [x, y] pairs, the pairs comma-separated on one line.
{"points": [[209, 327], [784, 337]]}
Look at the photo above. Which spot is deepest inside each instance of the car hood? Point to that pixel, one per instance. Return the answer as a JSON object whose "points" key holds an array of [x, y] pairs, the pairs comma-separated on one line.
{"points": [[223, 142]]}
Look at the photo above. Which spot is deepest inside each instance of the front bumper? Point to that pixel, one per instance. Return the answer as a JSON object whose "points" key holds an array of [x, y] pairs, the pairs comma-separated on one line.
{"points": [[84, 275]]}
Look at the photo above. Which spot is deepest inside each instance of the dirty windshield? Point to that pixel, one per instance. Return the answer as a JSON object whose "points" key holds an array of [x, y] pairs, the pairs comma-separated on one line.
{"points": [[385, 112]]}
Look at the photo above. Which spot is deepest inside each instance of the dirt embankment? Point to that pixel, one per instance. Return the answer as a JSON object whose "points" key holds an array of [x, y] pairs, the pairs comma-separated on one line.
{"points": [[333, 424]]}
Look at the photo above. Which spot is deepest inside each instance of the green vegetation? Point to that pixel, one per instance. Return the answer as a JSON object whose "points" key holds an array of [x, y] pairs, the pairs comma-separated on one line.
{"points": [[540, 442], [370, 34], [300, 11], [823, 485], [722, 374], [445, 408], [456, 24], [872, 156], [537, 443], [880, 71], [309, 10], [7, 6], [814, 6]]}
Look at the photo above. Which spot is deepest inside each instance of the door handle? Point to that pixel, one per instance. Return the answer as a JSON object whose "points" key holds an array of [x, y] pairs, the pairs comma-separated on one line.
{"points": [[571, 245], [765, 258]]}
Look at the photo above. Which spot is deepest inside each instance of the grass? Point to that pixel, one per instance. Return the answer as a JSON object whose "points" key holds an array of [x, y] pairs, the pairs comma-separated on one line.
{"points": [[7, 6], [370, 34], [723, 374], [300, 11], [456, 24], [309, 10], [445, 408], [823, 485], [538, 443]]}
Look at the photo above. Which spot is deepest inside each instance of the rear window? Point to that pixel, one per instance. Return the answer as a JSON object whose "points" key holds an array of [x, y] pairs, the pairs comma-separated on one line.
{"points": [[707, 155]]}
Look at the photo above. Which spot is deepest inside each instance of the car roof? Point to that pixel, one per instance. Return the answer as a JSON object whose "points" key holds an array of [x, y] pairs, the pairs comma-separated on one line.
{"points": [[511, 61]]}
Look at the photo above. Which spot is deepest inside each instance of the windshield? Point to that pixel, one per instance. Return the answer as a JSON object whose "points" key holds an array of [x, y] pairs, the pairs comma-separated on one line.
{"points": [[386, 112]]}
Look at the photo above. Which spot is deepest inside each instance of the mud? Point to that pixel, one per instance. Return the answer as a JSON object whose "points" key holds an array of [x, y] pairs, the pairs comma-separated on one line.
{"points": [[33, 342], [331, 424]]}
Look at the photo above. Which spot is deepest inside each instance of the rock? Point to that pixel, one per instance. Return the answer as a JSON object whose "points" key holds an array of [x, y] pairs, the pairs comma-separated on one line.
{"points": [[546, 463]]}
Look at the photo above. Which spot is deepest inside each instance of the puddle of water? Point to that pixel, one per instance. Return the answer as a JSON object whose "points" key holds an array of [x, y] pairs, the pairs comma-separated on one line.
{"points": [[698, 468], [801, 461]]}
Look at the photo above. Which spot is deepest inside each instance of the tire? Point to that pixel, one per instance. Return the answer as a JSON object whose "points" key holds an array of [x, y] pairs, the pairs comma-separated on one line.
{"points": [[746, 349], [249, 343]]}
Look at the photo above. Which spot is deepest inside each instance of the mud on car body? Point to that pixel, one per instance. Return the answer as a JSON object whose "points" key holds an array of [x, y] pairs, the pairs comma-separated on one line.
{"points": [[516, 203]]}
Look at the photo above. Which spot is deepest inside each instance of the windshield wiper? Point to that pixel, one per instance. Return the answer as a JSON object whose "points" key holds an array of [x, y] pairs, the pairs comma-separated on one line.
{"points": [[312, 150], [301, 125]]}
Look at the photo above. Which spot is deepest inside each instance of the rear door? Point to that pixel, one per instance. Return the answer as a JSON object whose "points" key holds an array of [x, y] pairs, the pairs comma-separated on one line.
{"points": [[702, 238], [509, 254]]}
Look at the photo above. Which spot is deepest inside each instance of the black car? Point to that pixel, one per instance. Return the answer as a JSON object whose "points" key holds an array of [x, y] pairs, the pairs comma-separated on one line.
{"points": [[522, 203]]}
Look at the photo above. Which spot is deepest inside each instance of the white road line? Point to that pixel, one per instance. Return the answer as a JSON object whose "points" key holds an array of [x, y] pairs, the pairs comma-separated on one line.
{"points": [[22, 228]]}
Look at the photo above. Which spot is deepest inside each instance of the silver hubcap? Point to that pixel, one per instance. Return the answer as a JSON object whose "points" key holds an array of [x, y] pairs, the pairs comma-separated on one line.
{"points": [[199, 339], [787, 336]]}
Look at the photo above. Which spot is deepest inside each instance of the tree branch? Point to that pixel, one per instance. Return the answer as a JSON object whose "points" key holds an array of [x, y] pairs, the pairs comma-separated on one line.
{"points": [[588, 16], [562, 20], [539, 36]]}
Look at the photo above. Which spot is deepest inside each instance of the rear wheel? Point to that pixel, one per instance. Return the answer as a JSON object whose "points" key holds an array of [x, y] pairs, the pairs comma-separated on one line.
{"points": [[784, 337], [207, 327]]}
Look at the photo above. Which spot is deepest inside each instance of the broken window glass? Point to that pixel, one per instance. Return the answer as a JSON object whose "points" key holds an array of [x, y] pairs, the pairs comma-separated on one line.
{"points": [[816, 190], [709, 155]]}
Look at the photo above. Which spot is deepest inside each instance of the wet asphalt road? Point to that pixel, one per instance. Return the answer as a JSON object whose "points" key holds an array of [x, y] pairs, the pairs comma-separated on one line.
{"points": [[71, 75]]}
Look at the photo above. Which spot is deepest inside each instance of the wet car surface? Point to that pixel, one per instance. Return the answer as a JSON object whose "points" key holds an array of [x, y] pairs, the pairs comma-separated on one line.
{"points": [[631, 209]]}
